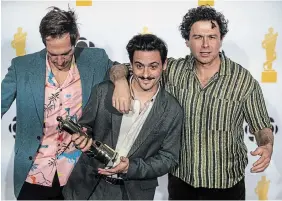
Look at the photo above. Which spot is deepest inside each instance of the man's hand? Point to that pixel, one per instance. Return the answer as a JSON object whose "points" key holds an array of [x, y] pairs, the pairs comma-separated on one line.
{"points": [[122, 167], [121, 99], [81, 142], [265, 151]]}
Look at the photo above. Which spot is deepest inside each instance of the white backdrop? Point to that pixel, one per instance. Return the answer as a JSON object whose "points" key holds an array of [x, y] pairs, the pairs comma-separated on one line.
{"points": [[110, 25]]}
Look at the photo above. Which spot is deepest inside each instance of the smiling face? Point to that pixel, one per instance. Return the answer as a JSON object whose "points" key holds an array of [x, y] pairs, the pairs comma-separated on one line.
{"points": [[147, 69], [204, 41]]}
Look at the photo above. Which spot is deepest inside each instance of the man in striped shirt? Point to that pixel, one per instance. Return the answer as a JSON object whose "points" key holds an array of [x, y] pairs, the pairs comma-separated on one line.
{"points": [[217, 95]]}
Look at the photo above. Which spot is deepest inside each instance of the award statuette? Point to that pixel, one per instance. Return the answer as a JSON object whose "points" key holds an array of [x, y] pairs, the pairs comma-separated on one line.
{"points": [[98, 150]]}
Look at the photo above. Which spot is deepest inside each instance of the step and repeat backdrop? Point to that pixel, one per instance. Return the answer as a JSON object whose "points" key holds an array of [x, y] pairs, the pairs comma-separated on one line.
{"points": [[254, 41]]}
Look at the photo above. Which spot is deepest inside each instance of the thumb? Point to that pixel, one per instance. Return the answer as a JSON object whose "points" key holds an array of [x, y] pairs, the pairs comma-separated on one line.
{"points": [[123, 159], [256, 152]]}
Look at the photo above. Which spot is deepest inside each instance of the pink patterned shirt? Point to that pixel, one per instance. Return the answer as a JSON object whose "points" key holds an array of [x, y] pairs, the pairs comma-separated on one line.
{"points": [[57, 152]]}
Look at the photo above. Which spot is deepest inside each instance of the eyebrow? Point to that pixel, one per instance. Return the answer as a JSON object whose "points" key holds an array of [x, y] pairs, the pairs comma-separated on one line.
{"points": [[65, 53], [137, 62], [194, 35]]}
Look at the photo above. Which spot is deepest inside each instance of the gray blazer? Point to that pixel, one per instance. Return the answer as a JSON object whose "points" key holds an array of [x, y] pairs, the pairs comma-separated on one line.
{"points": [[25, 81], [154, 152]]}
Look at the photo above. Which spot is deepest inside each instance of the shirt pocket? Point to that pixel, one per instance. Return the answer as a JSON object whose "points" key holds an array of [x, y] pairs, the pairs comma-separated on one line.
{"points": [[223, 114]]}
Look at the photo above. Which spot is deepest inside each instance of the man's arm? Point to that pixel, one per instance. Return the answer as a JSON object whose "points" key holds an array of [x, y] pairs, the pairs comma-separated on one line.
{"points": [[87, 121], [8, 89], [257, 117], [121, 99], [265, 140]]}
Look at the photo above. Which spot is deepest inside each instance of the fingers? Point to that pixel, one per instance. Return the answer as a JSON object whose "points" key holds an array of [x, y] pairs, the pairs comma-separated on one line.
{"points": [[258, 151], [121, 104], [75, 136], [88, 145], [81, 142], [261, 166], [263, 162], [121, 97], [108, 172], [124, 159]]}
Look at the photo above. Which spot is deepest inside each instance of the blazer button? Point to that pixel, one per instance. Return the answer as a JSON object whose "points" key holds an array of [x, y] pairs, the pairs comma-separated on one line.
{"points": [[30, 158], [38, 137]]}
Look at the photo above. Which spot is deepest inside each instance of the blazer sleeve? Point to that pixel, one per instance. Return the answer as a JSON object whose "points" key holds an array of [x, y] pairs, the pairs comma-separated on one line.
{"points": [[8, 89], [107, 65], [89, 112], [166, 158]]}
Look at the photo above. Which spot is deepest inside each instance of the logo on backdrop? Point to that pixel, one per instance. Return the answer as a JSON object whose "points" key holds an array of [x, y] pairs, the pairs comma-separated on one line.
{"points": [[83, 2], [13, 127], [251, 137], [269, 75], [207, 2], [83, 42], [19, 42], [262, 188], [146, 30]]}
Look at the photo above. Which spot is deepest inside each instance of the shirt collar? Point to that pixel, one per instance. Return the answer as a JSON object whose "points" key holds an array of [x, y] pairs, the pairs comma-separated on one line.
{"points": [[225, 67]]}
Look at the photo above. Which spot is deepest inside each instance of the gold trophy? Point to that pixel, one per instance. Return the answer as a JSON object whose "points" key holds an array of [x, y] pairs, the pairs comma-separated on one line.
{"points": [[205, 2], [262, 188], [269, 44], [19, 42], [98, 150]]}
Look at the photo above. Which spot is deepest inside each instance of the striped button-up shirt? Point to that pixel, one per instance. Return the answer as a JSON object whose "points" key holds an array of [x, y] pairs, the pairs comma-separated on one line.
{"points": [[213, 153]]}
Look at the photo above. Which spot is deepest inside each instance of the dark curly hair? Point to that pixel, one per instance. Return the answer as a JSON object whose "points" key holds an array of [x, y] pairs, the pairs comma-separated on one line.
{"points": [[202, 13], [58, 22], [146, 42]]}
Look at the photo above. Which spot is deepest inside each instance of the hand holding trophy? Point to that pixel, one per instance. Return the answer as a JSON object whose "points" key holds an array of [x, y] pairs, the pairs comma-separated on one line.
{"points": [[98, 150]]}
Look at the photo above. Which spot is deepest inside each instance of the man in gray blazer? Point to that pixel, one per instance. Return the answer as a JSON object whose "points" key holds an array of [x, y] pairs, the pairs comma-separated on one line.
{"points": [[56, 80], [147, 139]]}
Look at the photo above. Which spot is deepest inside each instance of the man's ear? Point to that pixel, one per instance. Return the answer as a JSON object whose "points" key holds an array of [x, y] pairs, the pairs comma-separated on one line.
{"points": [[187, 43], [221, 40], [165, 64], [77, 38]]}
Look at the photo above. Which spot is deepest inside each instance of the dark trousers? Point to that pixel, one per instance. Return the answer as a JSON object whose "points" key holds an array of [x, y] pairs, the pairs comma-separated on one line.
{"points": [[180, 190], [38, 192]]}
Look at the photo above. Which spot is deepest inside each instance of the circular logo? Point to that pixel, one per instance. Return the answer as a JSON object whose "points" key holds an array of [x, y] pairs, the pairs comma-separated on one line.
{"points": [[13, 127], [83, 43]]}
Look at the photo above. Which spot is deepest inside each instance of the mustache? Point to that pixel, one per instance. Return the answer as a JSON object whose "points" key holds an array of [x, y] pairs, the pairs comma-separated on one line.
{"points": [[146, 78]]}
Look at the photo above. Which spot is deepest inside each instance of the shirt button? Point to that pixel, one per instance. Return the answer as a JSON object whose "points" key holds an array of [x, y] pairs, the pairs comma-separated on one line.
{"points": [[38, 137], [30, 158], [61, 90], [61, 104]]}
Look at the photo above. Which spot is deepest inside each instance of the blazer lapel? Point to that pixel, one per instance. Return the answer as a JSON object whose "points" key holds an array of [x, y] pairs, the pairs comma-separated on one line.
{"points": [[86, 74], [150, 123], [37, 76], [116, 123]]}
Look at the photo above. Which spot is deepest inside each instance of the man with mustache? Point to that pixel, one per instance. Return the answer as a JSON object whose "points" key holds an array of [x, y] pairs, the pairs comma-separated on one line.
{"points": [[147, 139], [217, 95]]}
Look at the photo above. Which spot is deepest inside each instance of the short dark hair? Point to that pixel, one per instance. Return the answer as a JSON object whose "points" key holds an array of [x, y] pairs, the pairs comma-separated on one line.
{"points": [[202, 13], [58, 22], [146, 42]]}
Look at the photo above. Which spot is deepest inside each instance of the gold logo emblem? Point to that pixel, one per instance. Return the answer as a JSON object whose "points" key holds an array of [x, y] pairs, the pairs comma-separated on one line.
{"points": [[269, 43], [83, 2], [146, 30], [19, 42], [262, 188], [207, 2]]}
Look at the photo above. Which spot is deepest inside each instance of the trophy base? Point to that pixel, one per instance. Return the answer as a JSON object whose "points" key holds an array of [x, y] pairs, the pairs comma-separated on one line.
{"points": [[269, 76]]}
